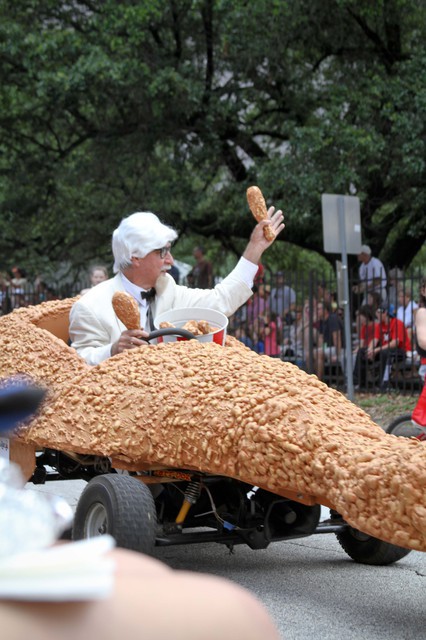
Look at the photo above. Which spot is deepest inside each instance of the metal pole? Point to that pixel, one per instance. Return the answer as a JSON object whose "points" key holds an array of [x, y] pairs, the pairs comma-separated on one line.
{"points": [[345, 301], [311, 325]]}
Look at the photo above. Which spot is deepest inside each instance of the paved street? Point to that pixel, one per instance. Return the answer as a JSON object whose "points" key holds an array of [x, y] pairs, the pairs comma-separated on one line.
{"points": [[310, 586]]}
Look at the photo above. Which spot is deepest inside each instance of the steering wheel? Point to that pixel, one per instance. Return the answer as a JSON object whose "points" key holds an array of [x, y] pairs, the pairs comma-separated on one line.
{"points": [[170, 331]]}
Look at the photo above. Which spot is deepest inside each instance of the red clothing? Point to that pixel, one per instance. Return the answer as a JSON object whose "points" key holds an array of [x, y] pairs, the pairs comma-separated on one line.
{"points": [[270, 340], [367, 332], [394, 330], [419, 413], [259, 278]]}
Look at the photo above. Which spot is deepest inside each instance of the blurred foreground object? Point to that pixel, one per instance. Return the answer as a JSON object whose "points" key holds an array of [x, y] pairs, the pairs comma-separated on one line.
{"points": [[30, 522]]}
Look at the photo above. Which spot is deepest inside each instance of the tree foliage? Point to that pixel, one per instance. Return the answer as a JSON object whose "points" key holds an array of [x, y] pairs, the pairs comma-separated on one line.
{"points": [[177, 106]]}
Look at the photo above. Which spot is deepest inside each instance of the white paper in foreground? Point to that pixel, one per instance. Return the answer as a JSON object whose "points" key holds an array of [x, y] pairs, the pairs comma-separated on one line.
{"points": [[66, 572]]}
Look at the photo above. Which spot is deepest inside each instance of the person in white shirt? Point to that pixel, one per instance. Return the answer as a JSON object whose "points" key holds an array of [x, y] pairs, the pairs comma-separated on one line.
{"points": [[372, 275], [407, 308], [142, 247]]}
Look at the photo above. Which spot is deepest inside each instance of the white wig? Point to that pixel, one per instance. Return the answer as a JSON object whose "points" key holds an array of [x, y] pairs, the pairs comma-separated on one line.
{"points": [[137, 235]]}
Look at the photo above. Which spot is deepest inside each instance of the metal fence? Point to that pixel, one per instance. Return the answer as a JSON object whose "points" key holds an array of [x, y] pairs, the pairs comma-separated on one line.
{"points": [[282, 320], [269, 324], [24, 296]]}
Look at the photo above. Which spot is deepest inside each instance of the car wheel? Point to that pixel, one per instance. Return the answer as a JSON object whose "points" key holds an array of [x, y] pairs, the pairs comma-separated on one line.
{"points": [[121, 506], [403, 426], [367, 549]]}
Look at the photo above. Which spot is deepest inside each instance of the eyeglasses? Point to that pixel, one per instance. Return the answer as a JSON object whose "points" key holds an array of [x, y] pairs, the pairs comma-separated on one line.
{"points": [[164, 251]]}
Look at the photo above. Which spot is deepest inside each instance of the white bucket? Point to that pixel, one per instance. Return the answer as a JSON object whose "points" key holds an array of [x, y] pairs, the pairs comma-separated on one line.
{"points": [[178, 317]]}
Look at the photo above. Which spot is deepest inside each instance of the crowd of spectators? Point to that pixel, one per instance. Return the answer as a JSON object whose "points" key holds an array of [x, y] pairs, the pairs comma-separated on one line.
{"points": [[301, 321], [18, 290]]}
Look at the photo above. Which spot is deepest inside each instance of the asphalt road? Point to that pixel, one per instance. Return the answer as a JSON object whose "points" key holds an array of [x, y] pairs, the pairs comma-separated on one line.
{"points": [[310, 586]]}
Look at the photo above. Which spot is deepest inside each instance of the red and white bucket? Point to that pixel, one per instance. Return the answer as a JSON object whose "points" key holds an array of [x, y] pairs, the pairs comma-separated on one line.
{"points": [[178, 317]]}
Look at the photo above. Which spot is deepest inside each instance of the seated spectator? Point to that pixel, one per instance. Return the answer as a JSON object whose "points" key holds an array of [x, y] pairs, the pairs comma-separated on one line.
{"points": [[406, 308], [331, 342], [241, 334], [259, 303], [97, 273], [366, 325], [282, 299], [294, 347], [390, 344], [310, 330], [258, 339], [366, 328], [272, 344]]}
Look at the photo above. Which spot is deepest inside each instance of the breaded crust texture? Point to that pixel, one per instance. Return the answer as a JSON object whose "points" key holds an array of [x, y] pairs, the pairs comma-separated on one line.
{"points": [[219, 410], [126, 309], [257, 205]]}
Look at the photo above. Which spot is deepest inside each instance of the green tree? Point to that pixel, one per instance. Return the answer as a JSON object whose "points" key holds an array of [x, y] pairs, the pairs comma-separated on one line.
{"points": [[177, 106]]}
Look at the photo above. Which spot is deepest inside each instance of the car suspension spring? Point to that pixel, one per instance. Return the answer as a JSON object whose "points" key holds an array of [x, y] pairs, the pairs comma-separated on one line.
{"points": [[191, 496]]}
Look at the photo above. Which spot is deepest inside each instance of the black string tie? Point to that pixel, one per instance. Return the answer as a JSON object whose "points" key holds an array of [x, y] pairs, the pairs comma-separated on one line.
{"points": [[148, 295]]}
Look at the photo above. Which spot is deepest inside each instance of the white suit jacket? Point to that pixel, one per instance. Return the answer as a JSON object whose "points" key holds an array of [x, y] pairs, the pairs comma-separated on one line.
{"points": [[94, 327]]}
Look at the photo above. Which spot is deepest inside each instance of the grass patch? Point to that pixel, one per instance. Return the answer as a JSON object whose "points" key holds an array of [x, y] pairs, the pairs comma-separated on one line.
{"points": [[383, 408]]}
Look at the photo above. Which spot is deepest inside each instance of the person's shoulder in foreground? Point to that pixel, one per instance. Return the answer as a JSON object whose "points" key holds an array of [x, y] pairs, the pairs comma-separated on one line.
{"points": [[149, 600]]}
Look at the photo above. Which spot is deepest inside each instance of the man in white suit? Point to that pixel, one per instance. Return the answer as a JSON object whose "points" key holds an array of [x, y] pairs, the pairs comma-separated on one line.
{"points": [[141, 245]]}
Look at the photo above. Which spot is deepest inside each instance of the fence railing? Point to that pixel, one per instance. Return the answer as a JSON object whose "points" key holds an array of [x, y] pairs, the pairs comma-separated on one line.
{"points": [[28, 294], [285, 318]]}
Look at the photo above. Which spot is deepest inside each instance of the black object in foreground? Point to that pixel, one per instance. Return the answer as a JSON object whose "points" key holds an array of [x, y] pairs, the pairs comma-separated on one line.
{"points": [[17, 403]]}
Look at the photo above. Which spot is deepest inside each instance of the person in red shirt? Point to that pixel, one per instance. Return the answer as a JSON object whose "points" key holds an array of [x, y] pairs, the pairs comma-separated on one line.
{"points": [[390, 344], [271, 335], [366, 325], [390, 333]]}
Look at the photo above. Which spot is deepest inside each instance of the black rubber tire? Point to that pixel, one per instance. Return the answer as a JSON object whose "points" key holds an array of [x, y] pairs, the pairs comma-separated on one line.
{"points": [[402, 426], [366, 549], [121, 506]]}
